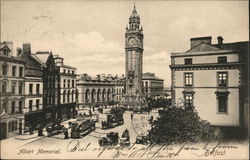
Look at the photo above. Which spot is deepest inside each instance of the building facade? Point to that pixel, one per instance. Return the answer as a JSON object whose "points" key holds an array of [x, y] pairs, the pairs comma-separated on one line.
{"points": [[152, 86], [51, 85], [208, 77], [119, 88], [99, 90], [33, 105], [12, 98], [67, 90]]}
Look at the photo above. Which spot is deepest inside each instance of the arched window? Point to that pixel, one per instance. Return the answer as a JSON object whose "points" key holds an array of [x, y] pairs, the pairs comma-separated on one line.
{"points": [[104, 95], [109, 95], [93, 95], [98, 95], [87, 93]]}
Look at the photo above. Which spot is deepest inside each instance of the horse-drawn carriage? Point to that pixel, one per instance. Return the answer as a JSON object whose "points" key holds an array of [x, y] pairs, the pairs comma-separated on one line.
{"points": [[110, 139], [125, 139], [54, 129]]}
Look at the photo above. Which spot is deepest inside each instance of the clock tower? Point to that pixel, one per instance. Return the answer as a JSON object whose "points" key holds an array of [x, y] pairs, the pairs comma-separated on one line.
{"points": [[134, 55]]}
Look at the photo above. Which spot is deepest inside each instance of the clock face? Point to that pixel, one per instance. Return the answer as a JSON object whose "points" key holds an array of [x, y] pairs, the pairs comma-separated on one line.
{"points": [[131, 40]]}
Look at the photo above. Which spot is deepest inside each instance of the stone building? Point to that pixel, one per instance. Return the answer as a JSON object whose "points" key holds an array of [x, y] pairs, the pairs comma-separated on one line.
{"points": [[33, 106], [212, 78], [152, 85], [11, 92], [119, 88], [51, 85], [68, 91], [99, 90]]}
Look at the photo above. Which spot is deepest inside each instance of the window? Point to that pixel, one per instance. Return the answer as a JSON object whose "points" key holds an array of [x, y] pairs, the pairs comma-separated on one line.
{"points": [[13, 105], [20, 71], [37, 88], [64, 83], [68, 71], [64, 93], [37, 104], [72, 98], [222, 79], [68, 83], [222, 59], [13, 88], [30, 88], [188, 61], [4, 69], [188, 79], [68, 95], [30, 105], [5, 52], [73, 84], [20, 88], [4, 87], [20, 106], [64, 70], [73, 72], [188, 99], [13, 71], [222, 98]]}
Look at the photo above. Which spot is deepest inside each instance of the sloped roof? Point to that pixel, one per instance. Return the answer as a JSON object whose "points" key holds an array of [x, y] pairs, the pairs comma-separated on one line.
{"points": [[41, 57], [203, 47], [2, 48]]}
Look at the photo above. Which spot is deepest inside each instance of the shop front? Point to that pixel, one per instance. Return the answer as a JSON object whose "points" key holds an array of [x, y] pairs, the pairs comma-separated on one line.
{"points": [[34, 120]]}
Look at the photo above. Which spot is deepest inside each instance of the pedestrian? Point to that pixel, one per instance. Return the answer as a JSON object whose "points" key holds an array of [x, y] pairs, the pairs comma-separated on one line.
{"points": [[31, 130], [132, 116], [66, 134], [90, 113], [40, 131]]}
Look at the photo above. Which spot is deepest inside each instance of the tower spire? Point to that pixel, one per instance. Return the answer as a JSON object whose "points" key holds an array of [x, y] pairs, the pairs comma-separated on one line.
{"points": [[134, 10], [134, 20]]}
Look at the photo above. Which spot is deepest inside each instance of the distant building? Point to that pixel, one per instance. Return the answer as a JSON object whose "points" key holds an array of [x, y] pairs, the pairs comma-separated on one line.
{"points": [[119, 88], [33, 110], [11, 92], [152, 86], [68, 91], [212, 78], [167, 92], [99, 90]]}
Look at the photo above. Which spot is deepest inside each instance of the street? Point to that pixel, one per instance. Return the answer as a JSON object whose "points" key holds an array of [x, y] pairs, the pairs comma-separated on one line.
{"points": [[30, 142], [31, 146]]}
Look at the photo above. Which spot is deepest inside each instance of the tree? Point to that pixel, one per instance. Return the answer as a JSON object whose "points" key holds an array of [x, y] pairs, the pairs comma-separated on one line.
{"points": [[180, 124]]}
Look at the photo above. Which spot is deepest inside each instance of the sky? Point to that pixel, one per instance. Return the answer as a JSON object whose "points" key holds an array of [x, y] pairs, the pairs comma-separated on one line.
{"points": [[90, 35]]}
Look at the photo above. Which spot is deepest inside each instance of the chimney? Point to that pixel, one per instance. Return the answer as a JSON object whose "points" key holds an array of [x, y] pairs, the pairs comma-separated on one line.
{"points": [[220, 40], [26, 49], [197, 41], [18, 51]]}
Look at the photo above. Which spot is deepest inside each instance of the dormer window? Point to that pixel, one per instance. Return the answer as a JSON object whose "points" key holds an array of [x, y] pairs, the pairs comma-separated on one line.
{"points": [[222, 59], [5, 52], [188, 61]]}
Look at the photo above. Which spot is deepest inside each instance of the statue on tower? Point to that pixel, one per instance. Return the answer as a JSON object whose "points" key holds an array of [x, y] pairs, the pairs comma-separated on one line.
{"points": [[133, 98]]}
